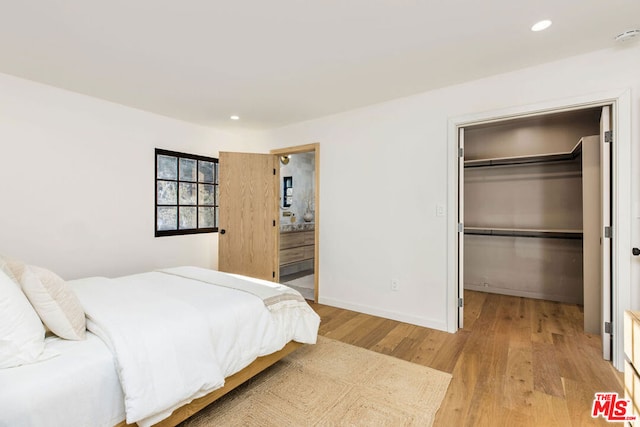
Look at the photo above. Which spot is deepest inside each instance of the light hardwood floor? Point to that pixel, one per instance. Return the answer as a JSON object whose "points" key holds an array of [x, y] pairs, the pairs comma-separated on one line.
{"points": [[517, 362]]}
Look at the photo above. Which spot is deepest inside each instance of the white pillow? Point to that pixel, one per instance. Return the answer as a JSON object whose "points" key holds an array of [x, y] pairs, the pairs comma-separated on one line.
{"points": [[55, 302], [10, 267], [21, 331]]}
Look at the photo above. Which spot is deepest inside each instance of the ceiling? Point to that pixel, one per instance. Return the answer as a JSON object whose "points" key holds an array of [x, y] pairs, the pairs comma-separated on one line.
{"points": [[283, 61]]}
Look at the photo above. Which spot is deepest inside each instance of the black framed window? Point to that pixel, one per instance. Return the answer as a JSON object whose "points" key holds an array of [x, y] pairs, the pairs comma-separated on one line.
{"points": [[186, 193]]}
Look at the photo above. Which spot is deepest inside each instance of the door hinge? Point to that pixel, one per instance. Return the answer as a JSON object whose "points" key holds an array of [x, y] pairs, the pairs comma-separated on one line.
{"points": [[608, 328], [460, 303], [608, 232], [608, 136], [460, 152], [460, 227]]}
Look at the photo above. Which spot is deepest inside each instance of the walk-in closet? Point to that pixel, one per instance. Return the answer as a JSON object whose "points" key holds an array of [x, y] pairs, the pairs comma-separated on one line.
{"points": [[534, 196]]}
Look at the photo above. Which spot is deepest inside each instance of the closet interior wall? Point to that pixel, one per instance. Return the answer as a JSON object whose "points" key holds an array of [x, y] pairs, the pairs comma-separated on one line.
{"points": [[543, 195]]}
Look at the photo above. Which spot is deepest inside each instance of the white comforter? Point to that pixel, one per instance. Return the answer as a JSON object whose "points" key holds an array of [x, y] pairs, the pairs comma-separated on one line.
{"points": [[175, 339]]}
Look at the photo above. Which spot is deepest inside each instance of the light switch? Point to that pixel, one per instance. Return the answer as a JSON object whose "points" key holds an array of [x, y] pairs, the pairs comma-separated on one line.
{"points": [[440, 210]]}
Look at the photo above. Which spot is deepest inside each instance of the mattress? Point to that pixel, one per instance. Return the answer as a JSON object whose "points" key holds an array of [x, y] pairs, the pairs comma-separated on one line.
{"points": [[77, 387]]}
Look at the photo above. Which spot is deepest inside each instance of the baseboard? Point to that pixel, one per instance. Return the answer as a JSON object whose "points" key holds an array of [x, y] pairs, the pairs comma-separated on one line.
{"points": [[525, 294], [387, 314]]}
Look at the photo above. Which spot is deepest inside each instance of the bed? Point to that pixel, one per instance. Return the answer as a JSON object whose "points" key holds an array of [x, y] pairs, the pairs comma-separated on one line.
{"points": [[160, 346]]}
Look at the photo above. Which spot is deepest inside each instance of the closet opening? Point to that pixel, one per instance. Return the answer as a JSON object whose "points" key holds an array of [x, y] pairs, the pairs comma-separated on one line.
{"points": [[535, 211]]}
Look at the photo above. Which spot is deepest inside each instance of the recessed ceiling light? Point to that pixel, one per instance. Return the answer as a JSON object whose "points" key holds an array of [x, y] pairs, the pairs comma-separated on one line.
{"points": [[541, 25], [235, 117]]}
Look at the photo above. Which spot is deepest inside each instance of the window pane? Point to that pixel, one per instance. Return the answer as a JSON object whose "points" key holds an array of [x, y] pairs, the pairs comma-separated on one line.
{"points": [[187, 193], [207, 194], [187, 170], [167, 193], [217, 197], [205, 171], [167, 167], [206, 217], [167, 218], [187, 218]]}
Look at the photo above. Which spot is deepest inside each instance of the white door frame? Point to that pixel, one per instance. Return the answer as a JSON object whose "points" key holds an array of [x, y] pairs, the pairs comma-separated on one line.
{"points": [[621, 197], [605, 241]]}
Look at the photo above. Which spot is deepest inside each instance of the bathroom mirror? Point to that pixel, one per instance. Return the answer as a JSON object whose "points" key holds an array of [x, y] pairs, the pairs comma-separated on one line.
{"points": [[287, 191]]}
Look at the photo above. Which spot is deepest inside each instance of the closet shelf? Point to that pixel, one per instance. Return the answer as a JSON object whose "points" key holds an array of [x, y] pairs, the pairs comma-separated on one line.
{"points": [[519, 160], [525, 232]]}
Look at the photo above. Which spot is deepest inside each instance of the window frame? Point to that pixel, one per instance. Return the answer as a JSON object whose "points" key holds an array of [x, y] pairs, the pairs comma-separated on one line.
{"points": [[216, 206]]}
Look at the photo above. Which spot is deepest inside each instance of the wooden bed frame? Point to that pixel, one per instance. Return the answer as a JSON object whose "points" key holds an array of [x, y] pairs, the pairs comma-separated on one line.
{"points": [[259, 365]]}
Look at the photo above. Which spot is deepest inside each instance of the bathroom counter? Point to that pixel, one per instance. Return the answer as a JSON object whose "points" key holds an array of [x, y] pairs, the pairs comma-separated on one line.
{"points": [[297, 226]]}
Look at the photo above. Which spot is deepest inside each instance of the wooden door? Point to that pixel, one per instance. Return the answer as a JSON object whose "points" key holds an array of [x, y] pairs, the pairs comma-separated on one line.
{"points": [[460, 226], [248, 203], [605, 229], [591, 234]]}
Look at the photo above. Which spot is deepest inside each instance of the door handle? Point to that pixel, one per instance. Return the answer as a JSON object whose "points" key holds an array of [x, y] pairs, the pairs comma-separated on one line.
{"points": [[223, 231], [635, 251]]}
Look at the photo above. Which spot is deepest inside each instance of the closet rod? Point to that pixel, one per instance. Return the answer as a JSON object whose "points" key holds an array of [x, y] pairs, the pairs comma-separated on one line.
{"points": [[489, 163], [573, 235]]}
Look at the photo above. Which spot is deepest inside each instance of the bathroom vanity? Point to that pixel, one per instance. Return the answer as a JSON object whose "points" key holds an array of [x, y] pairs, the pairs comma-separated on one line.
{"points": [[297, 249]]}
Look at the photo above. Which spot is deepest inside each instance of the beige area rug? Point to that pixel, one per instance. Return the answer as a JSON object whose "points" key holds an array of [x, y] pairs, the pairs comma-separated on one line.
{"points": [[332, 384]]}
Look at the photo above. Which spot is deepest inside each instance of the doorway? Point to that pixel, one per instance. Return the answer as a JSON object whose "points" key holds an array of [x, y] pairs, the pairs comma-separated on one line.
{"points": [[535, 190], [620, 208], [298, 221]]}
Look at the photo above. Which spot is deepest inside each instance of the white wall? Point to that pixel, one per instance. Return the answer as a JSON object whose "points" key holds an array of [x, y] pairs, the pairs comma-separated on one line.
{"points": [[77, 182], [384, 170]]}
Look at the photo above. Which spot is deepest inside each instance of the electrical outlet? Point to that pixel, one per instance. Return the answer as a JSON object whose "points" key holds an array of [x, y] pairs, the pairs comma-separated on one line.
{"points": [[395, 285]]}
